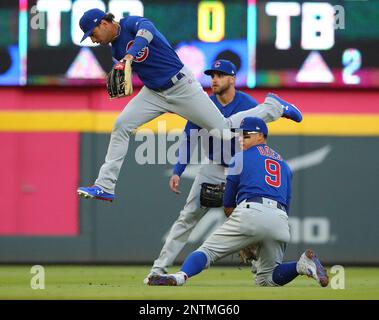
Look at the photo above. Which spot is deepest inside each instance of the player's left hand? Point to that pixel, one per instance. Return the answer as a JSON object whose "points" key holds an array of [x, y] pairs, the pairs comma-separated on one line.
{"points": [[119, 80], [174, 183]]}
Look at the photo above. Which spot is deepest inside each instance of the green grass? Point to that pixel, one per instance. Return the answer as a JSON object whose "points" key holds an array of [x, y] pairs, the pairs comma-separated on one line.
{"points": [[125, 282]]}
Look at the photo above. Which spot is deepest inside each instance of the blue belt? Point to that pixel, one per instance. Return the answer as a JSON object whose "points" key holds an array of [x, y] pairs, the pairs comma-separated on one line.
{"points": [[260, 200], [171, 83]]}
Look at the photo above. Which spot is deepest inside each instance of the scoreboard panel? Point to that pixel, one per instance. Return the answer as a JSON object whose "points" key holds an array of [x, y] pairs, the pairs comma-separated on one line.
{"points": [[299, 43]]}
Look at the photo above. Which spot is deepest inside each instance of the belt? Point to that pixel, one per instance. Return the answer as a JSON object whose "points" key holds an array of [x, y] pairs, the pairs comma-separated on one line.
{"points": [[171, 82], [260, 200]]}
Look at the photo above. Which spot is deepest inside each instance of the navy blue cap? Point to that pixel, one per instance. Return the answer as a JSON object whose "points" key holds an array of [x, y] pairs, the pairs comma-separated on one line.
{"points": [[90, 20], [253, 125], [224, 66]]}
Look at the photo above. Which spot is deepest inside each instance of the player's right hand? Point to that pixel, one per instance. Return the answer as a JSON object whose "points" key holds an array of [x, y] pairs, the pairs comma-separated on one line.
{"points": [[174, 183]]}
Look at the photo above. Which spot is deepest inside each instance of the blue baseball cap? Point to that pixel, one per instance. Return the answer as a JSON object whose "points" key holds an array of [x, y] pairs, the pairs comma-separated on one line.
{"points": [[224, 66], [253, 125], [90, 20]]}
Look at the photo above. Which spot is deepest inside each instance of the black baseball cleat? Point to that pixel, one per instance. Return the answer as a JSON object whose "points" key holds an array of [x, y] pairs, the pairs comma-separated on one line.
{"points": [[289, 110]]}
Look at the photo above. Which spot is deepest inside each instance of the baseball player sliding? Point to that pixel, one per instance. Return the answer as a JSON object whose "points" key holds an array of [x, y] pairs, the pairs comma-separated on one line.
{"points": [[257, 199], [229, 101], [168, 87]]}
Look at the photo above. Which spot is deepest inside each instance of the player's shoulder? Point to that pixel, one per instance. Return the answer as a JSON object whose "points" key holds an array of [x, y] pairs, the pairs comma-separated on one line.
{"points": [[131, 22], [250, 154], [288, 168], [268, 152], [246, 98]]}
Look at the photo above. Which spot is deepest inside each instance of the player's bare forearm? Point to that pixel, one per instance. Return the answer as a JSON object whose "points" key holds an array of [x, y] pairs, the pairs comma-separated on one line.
{"points": [[228, 211]]}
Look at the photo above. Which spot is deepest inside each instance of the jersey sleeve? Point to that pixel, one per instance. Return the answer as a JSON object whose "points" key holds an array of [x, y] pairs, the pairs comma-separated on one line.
{"points": [[232, 182], [144, 30], [230, 194], [244, 102], [186, 147], [249, 101], [289, 188]]}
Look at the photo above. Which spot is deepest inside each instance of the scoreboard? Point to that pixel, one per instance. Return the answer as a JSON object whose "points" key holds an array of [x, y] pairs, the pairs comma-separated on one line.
{"points": [[298, 43], [318, 43]]}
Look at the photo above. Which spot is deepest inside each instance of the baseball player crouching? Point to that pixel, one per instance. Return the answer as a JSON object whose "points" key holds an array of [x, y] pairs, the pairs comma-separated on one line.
{"points": [[257, 199]]}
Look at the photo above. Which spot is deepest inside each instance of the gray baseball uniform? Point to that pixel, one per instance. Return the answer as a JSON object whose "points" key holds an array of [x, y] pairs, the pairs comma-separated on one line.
{"points": [[252, 223]]}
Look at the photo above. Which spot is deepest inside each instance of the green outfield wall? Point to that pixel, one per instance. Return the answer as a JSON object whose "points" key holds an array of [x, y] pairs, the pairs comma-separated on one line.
{"points": [[334, 208]]}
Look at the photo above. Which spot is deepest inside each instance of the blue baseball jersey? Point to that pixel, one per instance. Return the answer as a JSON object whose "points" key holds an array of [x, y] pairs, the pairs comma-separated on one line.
{"points": [[258, 172], [155, 61], [240, 102]]}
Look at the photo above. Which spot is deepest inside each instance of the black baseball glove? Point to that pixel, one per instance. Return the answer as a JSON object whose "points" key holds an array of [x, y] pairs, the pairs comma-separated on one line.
{"points": [[211, 195]]}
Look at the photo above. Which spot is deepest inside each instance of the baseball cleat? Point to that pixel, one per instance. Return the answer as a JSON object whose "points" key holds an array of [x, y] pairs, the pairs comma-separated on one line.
{"points": [[152, 273], [162, 280], [177, 279], [311, 266], [95, 192], [289, 110]]}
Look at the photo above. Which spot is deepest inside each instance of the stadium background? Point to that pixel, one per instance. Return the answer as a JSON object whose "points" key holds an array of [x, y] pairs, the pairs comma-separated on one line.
{"points": [[55, 120]]}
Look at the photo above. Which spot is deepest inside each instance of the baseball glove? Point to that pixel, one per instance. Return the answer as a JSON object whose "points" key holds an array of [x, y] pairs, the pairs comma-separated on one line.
{"points": [[211, 195], [119, 80], [248, 254]]}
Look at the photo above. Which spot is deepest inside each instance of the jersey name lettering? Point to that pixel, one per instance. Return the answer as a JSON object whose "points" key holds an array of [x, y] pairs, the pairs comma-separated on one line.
{"points": [[268, 152]]}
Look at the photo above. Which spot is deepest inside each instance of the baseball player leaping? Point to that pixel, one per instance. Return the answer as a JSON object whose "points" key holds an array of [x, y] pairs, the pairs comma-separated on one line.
{"points": [[257, 199], [168, 87]]}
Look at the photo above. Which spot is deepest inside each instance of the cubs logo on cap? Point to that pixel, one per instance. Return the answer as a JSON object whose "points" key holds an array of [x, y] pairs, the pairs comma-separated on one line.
{"points": [[224, 66]]}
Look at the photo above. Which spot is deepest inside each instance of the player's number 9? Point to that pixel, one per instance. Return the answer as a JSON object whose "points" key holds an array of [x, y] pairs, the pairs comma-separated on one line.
{"points": [[273, 169]]}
